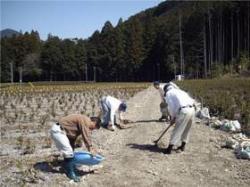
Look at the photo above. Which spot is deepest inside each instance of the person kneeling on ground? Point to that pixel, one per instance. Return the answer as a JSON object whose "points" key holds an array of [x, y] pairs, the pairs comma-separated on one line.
{"points": [[182, 112], [65, 132], [110, 107]]}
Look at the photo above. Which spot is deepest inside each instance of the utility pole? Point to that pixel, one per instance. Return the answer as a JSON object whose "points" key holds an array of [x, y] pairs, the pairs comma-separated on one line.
{"points": [[11, 72], [20, 74], [86, 72], [94, 73]]}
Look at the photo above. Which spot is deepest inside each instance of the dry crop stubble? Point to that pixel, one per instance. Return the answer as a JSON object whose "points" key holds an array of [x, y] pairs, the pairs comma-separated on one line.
{"points": [[26, 112]]}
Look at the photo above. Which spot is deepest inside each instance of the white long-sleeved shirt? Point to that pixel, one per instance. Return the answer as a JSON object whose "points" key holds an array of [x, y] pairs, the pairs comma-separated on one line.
{"points": [[161, 89], [113, 104], [177, 98]]}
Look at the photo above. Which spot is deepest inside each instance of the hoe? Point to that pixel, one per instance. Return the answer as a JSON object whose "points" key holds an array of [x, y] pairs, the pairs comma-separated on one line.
{"points": [[156, 141]]}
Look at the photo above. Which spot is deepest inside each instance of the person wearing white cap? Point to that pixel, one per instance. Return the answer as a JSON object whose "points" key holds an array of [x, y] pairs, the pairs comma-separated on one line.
{"points": [[110, 107], [182, 112], [173, 85]]}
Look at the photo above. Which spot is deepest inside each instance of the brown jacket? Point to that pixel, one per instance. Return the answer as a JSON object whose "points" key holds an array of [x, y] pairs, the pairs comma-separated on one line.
{"points": [[74, 125]]}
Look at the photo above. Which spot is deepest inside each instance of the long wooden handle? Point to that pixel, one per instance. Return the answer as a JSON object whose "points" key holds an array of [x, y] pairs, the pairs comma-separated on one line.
{"points": [[163, 133]]}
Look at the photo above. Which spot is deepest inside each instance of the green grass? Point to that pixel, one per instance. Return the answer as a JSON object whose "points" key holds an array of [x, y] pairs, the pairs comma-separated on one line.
{"points": [[229, 98]]}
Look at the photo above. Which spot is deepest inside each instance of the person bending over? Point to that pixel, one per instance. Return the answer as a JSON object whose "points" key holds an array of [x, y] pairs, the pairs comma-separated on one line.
{"points": [[182, 111], [65, 132], [111, 107]]}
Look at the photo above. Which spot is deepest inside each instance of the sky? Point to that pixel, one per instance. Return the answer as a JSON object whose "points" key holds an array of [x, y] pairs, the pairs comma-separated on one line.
{"points": [[66, 18]]}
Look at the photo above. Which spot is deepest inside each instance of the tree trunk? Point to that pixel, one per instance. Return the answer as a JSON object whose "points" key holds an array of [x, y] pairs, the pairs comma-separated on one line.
{"points": [[86, 72], [248, 29], [174, 67], [204, 50], [50, 76], [217, 50], [222, 41], [238, 32], [220, 38], [181, 46], [210, 42], [11, 73], [197, 67], [20, 69], [232, 37]]}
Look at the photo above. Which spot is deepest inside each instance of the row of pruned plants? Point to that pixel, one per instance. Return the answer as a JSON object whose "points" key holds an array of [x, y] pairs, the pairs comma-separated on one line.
{"points": [[225, 98]]}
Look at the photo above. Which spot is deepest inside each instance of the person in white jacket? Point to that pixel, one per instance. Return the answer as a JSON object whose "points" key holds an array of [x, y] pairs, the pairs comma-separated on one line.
{"points": [[111, 107], [182, 111]]}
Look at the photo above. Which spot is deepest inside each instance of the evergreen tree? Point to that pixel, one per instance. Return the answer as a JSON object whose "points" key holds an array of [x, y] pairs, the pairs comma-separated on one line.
{"points": [[51, 58], [214, 39]]}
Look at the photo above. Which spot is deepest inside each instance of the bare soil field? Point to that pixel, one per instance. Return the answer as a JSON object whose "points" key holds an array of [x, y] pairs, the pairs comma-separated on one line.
{"points": [[131, 159]]}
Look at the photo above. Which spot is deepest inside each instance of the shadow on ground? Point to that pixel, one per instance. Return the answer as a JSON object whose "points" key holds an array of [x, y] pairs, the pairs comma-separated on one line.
{"points": [[143, 121], [131, 124], [55, 167], [49, 167], [146, 147]]}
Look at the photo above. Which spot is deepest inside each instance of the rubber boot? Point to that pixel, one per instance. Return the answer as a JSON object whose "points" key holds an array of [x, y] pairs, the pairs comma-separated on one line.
{"points": [[182, 147], [69, 167], [168, 150], [162, 118]]}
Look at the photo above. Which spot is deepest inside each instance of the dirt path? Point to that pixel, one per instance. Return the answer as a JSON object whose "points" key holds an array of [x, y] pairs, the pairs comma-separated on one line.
{"points": [[131, 160]]}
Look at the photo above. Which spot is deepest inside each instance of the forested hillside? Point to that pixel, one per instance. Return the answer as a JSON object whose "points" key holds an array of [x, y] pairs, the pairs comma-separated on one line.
{"points": [[8, 33], [196, 39]]}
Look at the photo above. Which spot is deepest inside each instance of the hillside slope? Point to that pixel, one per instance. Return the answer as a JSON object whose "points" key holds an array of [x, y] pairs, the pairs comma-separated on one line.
{"points": [[8, 33]]}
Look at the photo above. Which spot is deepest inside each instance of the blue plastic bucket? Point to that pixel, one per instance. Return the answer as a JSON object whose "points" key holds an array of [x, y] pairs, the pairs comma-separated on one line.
{"points": [[85, 158]]}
